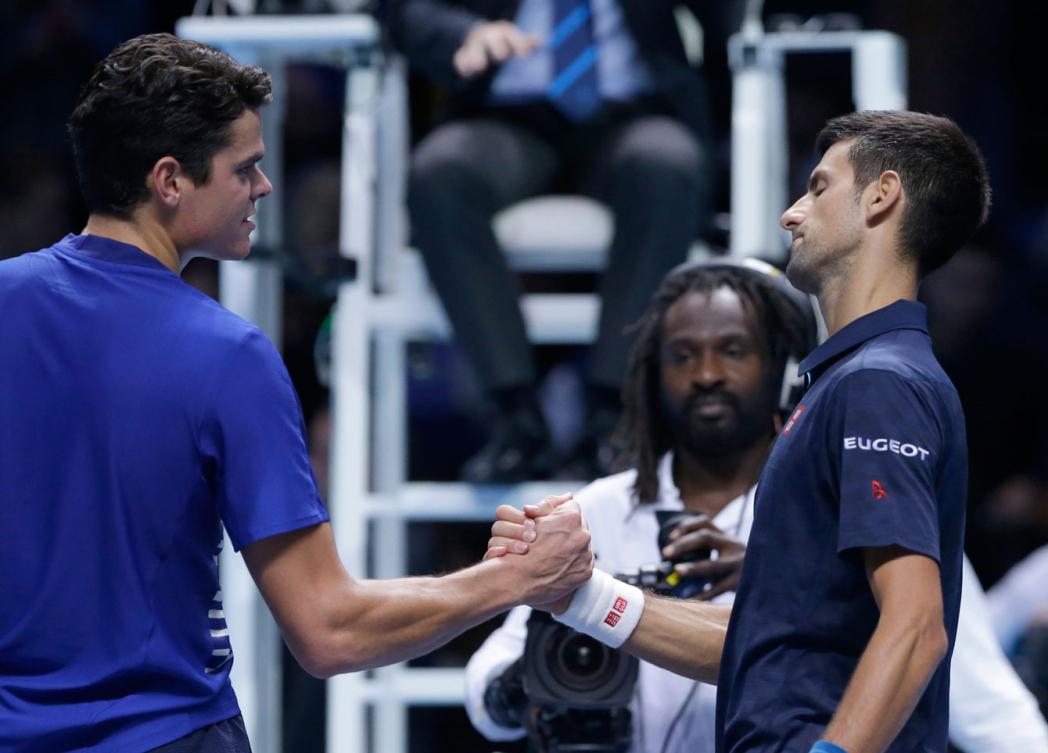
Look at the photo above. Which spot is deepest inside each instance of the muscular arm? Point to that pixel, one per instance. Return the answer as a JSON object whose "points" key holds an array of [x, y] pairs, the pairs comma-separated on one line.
{"points": [[333, 623], [683, 636], [905, 649]]}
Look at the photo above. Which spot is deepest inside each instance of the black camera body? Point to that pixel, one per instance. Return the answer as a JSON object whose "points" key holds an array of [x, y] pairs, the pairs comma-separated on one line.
{"points": [[660, 577], [578, 690]]}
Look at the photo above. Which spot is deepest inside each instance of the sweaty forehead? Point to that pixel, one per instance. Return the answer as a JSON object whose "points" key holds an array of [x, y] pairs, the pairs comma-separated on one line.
{"points": [[835, 161], [245, 134], [718, 313]]}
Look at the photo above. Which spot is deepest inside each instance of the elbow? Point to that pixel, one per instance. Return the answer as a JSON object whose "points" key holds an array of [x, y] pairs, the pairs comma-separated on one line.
{"points": [[314, 660], [932, 635], [930, 639], [938, 642], [324, 662], [326, 653]]}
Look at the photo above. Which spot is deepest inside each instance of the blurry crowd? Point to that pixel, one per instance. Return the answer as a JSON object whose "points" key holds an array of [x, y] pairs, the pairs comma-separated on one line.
{"points": [[662, 164]]}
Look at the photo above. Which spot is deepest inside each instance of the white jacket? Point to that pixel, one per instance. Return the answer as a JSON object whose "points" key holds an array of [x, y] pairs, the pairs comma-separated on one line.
{"points": [[990, 710]]}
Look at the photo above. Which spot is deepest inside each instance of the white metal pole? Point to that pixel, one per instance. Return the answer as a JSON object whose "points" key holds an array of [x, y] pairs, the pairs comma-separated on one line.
{"points": [[879, 72], [253, 290], [346, 718], [757, 158]]}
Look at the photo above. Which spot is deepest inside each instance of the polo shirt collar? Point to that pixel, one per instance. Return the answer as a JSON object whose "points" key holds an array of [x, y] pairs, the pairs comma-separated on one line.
{"points": [[902, 314], [107, 249]]}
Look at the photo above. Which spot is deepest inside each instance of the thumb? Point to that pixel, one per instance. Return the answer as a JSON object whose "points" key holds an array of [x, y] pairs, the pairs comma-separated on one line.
{"points": [[547, 505]]}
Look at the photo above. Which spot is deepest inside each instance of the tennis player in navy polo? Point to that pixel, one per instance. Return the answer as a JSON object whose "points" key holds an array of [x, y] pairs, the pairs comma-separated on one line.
{"points": [[846, 612]]}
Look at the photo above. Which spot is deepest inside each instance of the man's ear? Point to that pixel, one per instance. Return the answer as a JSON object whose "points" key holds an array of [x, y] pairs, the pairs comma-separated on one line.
{"points": [[168, 181], [882, 196]]}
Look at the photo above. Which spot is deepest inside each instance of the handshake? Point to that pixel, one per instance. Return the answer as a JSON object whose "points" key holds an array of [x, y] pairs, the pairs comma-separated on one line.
{"points": [[549, 545]]}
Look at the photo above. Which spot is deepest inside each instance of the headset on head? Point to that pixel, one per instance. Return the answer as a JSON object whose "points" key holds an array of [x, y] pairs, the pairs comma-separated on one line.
{"points": [[765, 274]]}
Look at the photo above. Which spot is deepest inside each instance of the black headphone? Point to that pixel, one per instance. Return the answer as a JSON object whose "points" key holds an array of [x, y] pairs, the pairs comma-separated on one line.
{"points": [[763, 273]]}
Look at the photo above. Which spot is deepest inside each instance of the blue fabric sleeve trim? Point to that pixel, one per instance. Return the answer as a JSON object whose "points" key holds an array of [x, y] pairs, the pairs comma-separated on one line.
{"points": [[825, 746]]}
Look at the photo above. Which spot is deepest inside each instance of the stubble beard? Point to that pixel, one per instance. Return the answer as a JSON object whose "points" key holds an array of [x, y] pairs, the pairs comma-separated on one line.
{"points": [[814, 269]]}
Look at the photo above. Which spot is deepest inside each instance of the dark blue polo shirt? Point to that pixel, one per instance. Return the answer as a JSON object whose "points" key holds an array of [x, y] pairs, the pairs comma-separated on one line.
{"points": [[875, 455]]}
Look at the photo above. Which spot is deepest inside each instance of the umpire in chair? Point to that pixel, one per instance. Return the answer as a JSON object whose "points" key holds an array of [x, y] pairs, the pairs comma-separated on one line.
{"points": [[554, 96]]}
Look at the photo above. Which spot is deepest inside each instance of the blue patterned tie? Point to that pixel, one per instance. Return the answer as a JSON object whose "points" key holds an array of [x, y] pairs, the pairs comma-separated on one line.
{"points": [[574, 88]]}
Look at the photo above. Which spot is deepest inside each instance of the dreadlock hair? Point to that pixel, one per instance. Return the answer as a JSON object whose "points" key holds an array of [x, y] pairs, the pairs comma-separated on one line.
{"points": [[643, 435]]}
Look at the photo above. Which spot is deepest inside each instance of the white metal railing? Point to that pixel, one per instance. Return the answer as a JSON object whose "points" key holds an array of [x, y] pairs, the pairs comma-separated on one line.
{"points": [[759, 154]]}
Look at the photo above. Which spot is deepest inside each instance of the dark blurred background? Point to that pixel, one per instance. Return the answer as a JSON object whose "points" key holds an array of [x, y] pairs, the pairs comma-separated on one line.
{"points": [[979, 63]]}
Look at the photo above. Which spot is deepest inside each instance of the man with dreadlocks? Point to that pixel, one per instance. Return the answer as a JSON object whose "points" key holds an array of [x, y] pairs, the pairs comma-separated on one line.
{"points": [[702, 405], [848, 602]]}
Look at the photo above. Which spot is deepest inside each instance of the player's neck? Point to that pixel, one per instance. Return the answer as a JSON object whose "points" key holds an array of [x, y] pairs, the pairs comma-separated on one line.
{"points": [[149, 236], [708, 484], [875, 278]]}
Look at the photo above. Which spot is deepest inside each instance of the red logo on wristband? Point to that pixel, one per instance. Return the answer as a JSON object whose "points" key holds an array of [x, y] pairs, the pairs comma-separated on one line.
{"points": [[621, 604], [612, 619]]}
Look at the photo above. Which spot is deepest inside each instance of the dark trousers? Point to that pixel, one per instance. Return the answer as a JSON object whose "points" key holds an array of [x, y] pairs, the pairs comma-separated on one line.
{"points": [[647, 167], [227, 736]]}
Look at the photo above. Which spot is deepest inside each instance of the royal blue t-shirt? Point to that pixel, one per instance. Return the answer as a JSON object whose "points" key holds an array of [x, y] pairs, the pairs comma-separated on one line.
{"points": [[875, 455], [136, 417]]}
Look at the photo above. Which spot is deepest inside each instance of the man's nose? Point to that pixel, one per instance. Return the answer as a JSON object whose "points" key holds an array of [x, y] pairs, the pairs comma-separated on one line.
{"points": [[265, 187], [793, 216], [708, 371]]}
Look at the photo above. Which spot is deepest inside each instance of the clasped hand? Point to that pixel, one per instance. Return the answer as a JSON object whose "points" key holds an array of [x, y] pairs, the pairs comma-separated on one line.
{"points": [[517, 531], [556, 542]]}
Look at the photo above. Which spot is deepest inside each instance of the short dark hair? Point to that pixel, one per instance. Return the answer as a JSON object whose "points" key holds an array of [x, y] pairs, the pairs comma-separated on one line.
{"points": [[783, 327], [942, 171], [154, 96]]}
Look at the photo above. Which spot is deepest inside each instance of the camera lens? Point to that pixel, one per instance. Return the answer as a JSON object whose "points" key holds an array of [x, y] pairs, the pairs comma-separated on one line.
{"points": [[580, 656], [580, 663], [566, 669]]}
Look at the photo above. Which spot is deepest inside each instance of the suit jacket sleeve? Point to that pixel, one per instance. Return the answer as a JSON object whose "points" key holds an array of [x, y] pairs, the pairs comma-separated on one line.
{"points": [[428, 33]]}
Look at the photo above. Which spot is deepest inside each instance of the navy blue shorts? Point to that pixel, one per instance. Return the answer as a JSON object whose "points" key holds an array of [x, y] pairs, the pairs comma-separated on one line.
{"points": [[228, 736]]}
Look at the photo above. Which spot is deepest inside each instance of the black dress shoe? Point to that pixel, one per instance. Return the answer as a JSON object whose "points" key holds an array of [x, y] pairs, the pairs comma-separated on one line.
{"points": [[519, 450]]}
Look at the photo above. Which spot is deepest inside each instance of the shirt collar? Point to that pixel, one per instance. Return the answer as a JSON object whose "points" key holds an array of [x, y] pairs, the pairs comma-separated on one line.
{"points": [[107, 249], [669, 494], [902, 314]]}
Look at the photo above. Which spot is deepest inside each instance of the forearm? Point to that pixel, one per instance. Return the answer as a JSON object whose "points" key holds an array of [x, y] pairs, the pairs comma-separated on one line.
{"points": [[889, 680], [366, 624], [683, 636]]}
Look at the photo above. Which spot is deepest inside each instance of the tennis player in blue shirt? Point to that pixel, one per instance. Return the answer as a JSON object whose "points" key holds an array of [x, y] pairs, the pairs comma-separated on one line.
{"points": [[846, 612], [137, 417]]}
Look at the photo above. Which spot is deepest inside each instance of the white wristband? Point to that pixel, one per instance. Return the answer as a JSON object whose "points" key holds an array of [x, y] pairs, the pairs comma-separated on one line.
{"points": [[604, 608]]}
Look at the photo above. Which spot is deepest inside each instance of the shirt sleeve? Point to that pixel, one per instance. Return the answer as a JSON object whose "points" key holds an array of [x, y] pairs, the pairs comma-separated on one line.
{"points": [[253, 442], [503, 647], [890, 448], [990, 708]]}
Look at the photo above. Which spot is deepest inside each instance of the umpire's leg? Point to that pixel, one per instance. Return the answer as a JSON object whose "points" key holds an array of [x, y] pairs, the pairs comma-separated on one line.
{"points": [[461, 174]]}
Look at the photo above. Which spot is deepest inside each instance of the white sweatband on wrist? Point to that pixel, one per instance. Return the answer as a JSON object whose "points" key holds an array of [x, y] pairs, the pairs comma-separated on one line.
{"points": [[604, 608]]}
